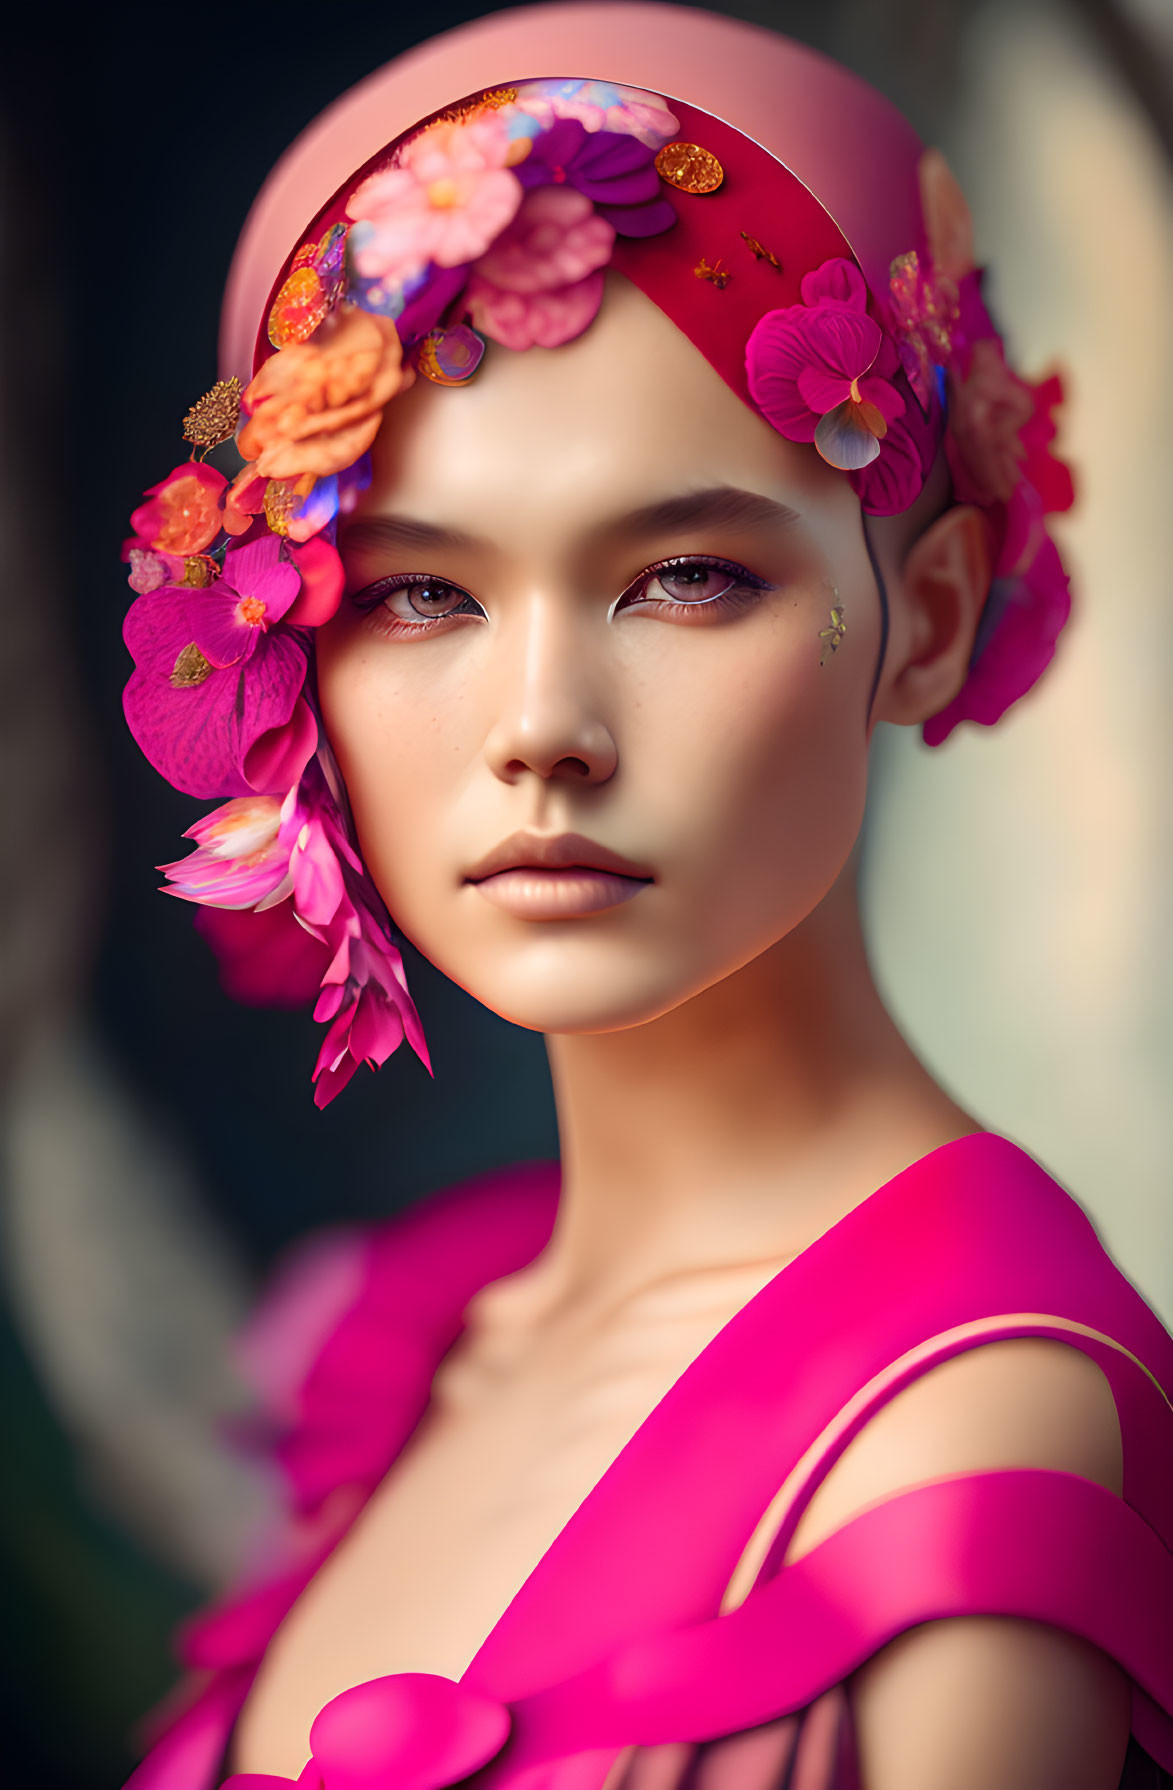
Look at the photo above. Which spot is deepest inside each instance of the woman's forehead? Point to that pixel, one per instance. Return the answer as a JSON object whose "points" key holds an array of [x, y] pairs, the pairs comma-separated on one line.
{"points": [[625, 417]]}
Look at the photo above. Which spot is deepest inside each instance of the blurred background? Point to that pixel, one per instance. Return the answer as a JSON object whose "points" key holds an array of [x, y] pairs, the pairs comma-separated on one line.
{"points": [[158, 1146]]}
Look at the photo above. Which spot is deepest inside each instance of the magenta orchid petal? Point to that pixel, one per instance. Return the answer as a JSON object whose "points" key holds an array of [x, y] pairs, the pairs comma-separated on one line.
{"points": [[194, 722], [219, 628], [884, 396], [844, 342], [259, 571], [820, 390], [895, 477], [837, 281], [279, 754]]}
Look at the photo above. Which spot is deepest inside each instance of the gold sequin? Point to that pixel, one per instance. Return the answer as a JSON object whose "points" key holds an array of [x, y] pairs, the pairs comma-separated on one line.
{"points": [[689, 168], [759, 251], [717, 273], [190, 668], [213, 418]]}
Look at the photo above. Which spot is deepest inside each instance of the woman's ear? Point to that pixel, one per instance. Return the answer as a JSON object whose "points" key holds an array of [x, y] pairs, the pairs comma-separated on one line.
{"points": [[937, 602]]}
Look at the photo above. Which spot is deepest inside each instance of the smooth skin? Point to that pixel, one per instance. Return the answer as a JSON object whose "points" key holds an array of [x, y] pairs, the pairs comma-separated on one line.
{"points": [[729, 1083]]}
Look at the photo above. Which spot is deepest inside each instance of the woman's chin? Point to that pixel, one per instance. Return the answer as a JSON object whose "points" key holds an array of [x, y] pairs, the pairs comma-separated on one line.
{"points": [[556, 988]]}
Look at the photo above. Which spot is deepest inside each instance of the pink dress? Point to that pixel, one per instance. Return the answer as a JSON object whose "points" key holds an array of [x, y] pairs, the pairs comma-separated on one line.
{"points": [[613, 1661]]}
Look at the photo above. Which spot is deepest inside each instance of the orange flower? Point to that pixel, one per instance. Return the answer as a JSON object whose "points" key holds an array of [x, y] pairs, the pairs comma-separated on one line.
{"points": [[315, 406]]}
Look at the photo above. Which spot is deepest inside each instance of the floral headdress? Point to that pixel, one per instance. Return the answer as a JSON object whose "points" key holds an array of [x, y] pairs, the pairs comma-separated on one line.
{"points": [[494, 222]]}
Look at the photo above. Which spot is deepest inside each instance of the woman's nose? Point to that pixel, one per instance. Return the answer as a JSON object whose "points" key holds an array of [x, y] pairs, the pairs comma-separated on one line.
{"points": [[548, 718]]}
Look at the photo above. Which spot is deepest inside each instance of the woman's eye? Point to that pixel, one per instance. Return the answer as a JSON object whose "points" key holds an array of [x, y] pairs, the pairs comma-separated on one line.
{"points": [[407, 604], [712, 585], [428, 600]]}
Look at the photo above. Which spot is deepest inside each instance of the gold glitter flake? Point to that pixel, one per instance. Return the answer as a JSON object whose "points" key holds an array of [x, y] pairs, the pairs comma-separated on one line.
{"points": [[689, 168], [718, 274], [190, 669], [198, 571], [282, 498], [213, 418], [492, 101], [759, 251], [832, 637]]}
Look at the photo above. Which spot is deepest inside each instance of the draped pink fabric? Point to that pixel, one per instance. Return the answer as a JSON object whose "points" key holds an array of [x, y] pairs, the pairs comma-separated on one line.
{"points": [[615, 1642]]}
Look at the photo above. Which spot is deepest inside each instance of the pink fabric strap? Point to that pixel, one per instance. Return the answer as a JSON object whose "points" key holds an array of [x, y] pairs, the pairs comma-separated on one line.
{"points": [[1040, 1545]]}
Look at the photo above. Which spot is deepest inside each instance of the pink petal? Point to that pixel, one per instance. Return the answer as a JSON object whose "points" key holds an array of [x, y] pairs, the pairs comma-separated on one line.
{"points": [[197, 737], [323, 578], [837, 280], [540, 319], [277, 756], [821, 390], [464, 232], [843, 441], [845, 342], [555, 239], [217, 629]]}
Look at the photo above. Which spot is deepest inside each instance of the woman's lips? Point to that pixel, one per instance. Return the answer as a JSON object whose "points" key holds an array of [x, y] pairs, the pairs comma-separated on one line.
{"points": [[531, 892], [556, 876]]}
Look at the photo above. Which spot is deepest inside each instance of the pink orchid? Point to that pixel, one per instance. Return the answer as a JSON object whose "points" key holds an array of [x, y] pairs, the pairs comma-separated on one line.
{"points": [[253, 592], [447, 198], [239, 861], [215, 731], [816, 370]]}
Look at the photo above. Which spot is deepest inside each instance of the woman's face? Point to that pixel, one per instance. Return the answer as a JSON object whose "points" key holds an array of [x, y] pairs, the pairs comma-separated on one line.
{"points": [[514, 662]]}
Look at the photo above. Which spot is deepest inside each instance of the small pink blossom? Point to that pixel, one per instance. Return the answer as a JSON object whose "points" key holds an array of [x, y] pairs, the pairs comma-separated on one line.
{"points": [[556, 239], [534, 319], [447, 198], [183, 513], [150, 570]]}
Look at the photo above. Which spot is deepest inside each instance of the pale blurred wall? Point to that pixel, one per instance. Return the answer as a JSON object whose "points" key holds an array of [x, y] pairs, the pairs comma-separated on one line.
{"points": [[1019, 881]]}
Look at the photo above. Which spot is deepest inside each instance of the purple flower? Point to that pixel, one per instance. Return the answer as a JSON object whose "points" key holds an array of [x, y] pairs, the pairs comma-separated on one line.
{"points": [[617, 172]]}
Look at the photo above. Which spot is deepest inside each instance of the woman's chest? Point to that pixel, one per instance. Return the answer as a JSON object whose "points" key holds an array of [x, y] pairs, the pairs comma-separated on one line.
{"points": [[506, 1456]]}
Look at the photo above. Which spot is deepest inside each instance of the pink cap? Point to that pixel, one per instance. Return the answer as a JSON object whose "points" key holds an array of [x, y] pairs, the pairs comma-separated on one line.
{"points": [[841, 138]]}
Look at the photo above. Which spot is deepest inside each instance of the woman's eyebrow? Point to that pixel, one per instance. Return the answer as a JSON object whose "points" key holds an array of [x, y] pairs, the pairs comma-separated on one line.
{"points": [[717, 506], [403, 531]]}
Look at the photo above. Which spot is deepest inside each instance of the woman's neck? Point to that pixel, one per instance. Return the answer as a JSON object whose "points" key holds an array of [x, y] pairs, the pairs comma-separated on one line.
{"points": [[742, 1124]]}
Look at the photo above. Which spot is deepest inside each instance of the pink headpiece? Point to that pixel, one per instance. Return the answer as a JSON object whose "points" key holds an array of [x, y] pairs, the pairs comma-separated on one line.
{"points": [[778, 210]]}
